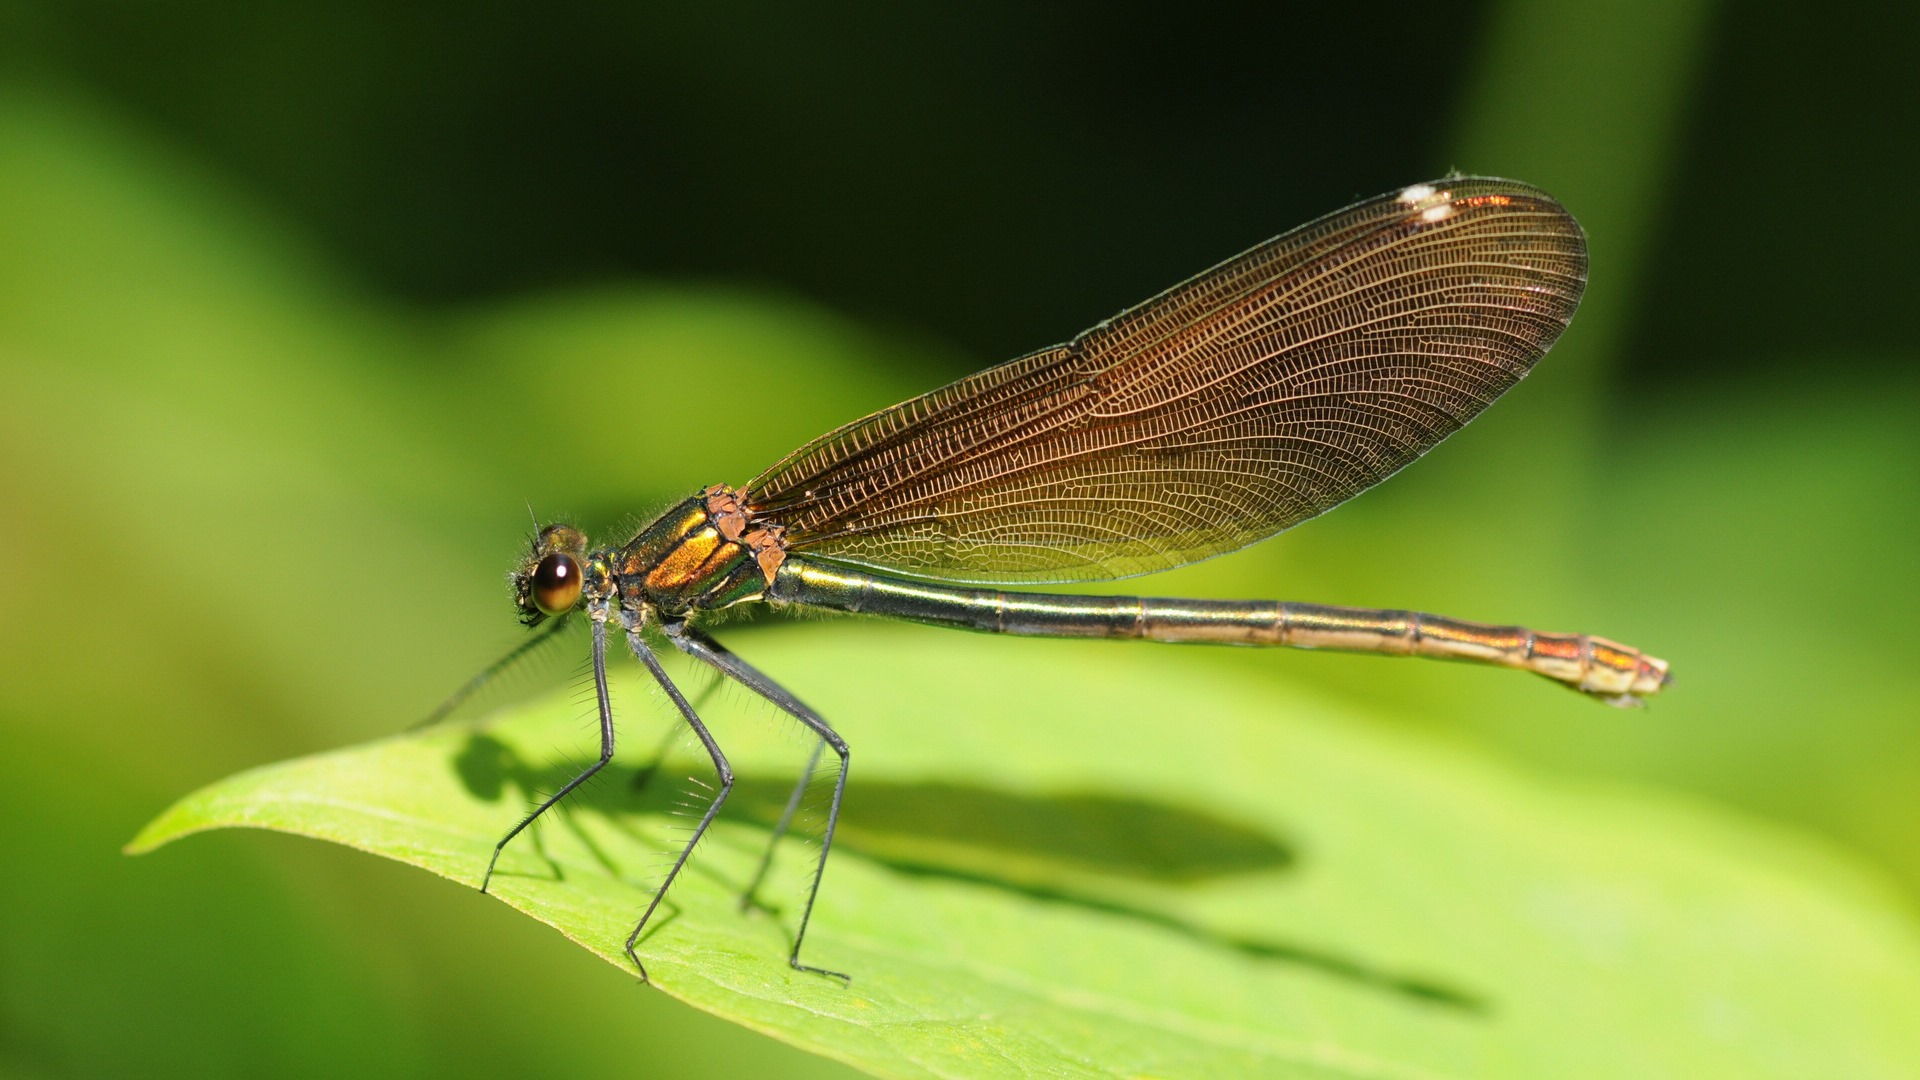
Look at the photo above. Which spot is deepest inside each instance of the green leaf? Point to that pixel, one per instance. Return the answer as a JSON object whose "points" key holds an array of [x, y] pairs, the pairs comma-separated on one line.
{"points": [[1069, 858]]}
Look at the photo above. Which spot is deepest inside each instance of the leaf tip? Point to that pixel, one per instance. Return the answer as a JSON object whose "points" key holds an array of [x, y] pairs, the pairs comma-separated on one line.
{"points": [[161, 831]]}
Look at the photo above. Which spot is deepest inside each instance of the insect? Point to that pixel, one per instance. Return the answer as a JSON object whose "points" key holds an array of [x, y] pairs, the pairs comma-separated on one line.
{"points": [[1244, 401]]}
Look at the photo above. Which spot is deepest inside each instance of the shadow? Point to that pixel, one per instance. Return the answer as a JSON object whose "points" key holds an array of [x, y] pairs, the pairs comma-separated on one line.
{"points": [[486, 767], [1093, 851]]}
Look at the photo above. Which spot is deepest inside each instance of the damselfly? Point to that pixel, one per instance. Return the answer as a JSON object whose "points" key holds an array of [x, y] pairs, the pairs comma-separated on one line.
{"points": [[1259, 394]]}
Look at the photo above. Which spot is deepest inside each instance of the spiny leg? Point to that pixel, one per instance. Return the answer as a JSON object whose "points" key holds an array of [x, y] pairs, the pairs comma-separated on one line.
{"points": [[720, 766], [606, 746], [703, 648], [780, 829], [643, 776], [547, 633]]}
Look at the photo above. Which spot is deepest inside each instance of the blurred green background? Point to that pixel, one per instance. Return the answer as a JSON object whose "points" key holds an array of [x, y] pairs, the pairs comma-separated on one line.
{"points": [[300, 304]]}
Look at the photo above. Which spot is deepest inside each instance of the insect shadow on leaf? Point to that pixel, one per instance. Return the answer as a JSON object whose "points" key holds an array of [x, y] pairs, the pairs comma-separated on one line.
{"points": [[1114, 854]]}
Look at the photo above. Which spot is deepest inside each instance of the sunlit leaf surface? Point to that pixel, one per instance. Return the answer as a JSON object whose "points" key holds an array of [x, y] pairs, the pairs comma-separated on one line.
{"points": [[1068, 859]]}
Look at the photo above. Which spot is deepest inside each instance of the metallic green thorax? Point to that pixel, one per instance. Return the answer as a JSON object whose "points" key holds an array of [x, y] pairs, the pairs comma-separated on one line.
{"points": [[695, 557]]}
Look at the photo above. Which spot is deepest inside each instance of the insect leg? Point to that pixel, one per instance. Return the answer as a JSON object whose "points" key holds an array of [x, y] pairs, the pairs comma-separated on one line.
{"points": [[703, 648], [547, 633], [720, 766], [643, 776], [606, 748], [780, 829]]}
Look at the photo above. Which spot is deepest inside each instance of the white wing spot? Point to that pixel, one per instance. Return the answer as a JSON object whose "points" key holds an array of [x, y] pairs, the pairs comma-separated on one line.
{"points": [[1417, 194]]}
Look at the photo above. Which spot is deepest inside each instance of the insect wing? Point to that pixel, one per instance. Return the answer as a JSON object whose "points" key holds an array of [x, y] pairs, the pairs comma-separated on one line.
{"points": [[1237, 404]]}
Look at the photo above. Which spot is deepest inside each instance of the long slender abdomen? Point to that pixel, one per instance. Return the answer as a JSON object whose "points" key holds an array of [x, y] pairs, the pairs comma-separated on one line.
{"points": [[1607, 670], [1615, 673]]}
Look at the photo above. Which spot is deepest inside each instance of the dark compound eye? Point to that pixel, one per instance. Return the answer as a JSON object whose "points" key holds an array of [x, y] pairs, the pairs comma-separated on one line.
{"points": [[556, 584]]}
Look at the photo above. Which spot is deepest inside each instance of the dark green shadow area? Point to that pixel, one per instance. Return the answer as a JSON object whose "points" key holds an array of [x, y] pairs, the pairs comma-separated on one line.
{"points": [[1093, 851]]}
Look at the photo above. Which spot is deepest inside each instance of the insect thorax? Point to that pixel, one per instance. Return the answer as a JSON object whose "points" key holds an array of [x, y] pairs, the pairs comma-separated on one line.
{"points": [[704, 553]]}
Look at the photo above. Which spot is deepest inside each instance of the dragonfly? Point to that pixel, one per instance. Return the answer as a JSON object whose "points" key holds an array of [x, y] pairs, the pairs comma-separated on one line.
{"points": [[1235, 405]]}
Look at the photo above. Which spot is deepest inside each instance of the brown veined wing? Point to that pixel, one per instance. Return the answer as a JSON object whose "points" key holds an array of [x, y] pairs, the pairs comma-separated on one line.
{"points": [[1266, 390]]}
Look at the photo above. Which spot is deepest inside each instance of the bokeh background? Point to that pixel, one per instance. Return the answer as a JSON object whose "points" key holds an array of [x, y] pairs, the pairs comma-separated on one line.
{"points": [[300, 304]]}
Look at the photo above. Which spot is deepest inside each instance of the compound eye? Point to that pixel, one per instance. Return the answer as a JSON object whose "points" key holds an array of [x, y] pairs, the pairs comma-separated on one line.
{"points": [[556, 584]]}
